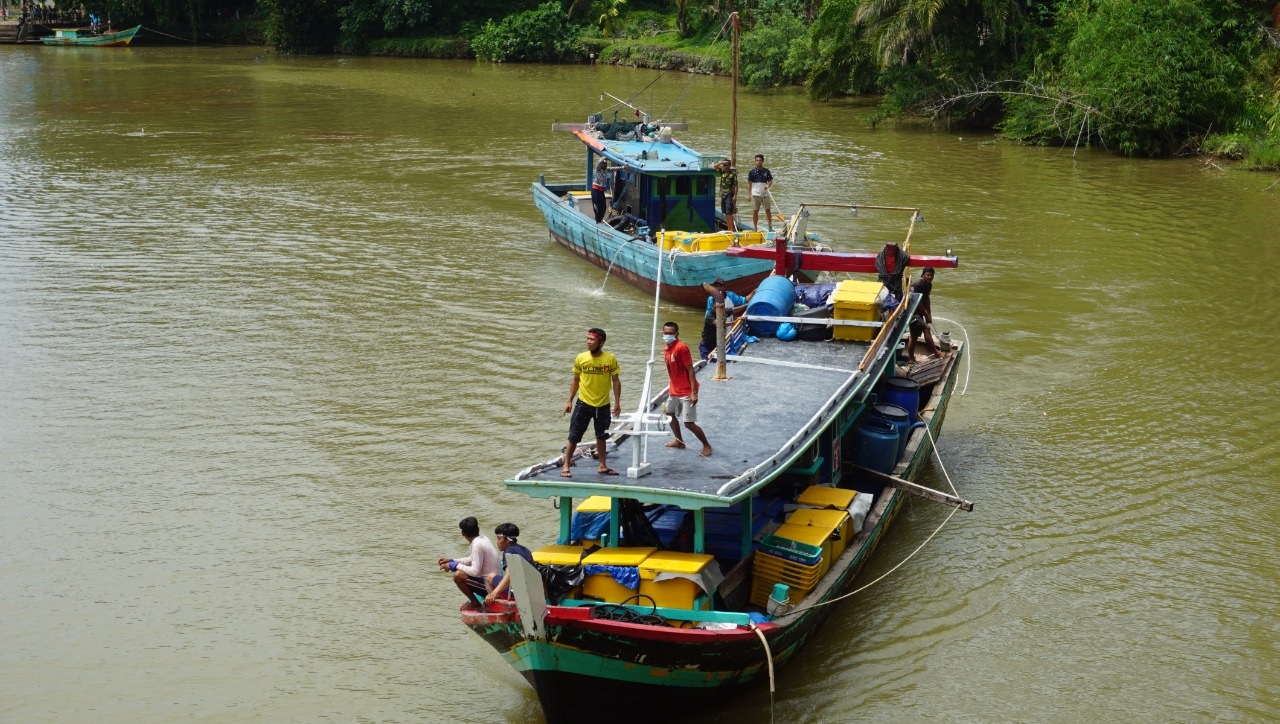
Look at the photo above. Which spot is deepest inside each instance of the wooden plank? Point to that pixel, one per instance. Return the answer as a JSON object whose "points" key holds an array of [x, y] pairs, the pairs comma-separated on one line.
{"points": [[894, 481], [928, 372]]}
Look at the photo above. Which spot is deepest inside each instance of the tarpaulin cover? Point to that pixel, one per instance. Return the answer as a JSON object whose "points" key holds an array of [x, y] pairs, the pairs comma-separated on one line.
{"points": [[628, 576], [587, 526]]}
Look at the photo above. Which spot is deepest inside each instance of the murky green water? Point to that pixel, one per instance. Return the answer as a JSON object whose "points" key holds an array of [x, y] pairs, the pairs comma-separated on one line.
{"points": [[269, 326]]}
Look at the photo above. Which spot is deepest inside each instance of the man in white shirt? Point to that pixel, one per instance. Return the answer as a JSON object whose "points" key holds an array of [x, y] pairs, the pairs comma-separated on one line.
{"points": [[478, 573]]}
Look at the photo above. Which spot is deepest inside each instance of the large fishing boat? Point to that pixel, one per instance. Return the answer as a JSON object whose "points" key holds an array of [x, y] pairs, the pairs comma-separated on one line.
{"points": [[695, 576]]}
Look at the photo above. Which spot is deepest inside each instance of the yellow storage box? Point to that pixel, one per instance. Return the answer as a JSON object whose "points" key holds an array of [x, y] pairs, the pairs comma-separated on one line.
{"points": [[679, 240], [750, 238], [859, 301], [596, 504], [601, 585], [713, 242], [674, 592], [836, 522], [823, 496], [557, 555]]}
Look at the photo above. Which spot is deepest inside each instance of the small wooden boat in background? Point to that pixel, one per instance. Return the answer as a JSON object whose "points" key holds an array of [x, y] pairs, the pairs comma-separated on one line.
{"points": [[88, 36]]}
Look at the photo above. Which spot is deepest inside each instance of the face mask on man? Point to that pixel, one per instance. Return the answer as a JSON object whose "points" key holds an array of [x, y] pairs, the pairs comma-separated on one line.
{"points": [[668, 338]]}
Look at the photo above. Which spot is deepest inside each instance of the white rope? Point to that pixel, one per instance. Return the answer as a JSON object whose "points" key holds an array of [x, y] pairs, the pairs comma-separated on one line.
{"points": [[768, 657], [912, 554], [968, 352]]}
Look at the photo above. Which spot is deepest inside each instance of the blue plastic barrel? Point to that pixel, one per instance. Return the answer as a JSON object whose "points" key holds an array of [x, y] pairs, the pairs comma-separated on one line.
{"points": [[899, 418], [773, 298], [876, 444], [904, 393]]}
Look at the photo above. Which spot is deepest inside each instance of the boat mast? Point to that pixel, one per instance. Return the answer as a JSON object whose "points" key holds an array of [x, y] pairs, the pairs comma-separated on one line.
{"points": [[733, 142]]}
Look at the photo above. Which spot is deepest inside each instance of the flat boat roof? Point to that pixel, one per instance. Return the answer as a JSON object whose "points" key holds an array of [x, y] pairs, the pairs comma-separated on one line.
{"points": [[753, 422]]}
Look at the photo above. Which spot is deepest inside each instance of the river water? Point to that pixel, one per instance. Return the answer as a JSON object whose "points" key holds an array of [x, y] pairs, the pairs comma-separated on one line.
{"points": [[270, 326]]}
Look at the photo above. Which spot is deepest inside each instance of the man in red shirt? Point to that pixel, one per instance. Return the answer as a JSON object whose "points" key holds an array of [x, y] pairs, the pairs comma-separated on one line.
{"points": [[682, 399]]}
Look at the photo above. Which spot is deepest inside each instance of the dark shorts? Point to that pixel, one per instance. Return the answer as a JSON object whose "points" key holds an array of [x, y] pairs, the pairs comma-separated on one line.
{"points": [[583, 414], [917, 325], [727, 205]]}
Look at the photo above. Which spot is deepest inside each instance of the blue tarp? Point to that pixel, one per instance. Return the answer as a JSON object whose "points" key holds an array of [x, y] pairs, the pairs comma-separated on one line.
{"points": [[587, 526], [628, 576]]}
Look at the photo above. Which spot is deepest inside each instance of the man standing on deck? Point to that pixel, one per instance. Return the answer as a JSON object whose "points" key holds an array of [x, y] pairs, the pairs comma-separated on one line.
{"points": [[728, 193], [594, 372], [731, 301], [761, 180], [682, 398], [599, 184], [923, 316]]}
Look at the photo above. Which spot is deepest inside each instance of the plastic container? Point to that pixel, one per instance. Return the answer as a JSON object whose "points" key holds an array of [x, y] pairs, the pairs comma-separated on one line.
{"points": [[859, 301], [773, 298], [601, 585], [876, 445], [560, 555], [778, 603], [791, 550], [824, 496], [904, 393], [836, 522], [674, 592]]}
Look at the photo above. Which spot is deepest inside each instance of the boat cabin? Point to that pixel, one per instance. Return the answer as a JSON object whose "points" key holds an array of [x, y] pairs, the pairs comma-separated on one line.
{"points": [[658, 180]]}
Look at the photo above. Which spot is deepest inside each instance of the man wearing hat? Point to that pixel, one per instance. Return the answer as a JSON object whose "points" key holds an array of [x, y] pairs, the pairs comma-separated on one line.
{"points": [[732, 301]]}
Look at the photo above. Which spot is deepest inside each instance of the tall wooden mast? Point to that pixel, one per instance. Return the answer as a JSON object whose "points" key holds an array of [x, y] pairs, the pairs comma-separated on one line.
{"points": [[733, 143]]}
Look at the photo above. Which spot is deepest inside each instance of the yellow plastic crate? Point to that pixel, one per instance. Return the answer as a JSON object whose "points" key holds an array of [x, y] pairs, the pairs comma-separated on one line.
{"points": [[784, 571], [810, 535], [750, 238], [601, 585], [837, 522], [857, 301], [823, 496], [674, 592]]}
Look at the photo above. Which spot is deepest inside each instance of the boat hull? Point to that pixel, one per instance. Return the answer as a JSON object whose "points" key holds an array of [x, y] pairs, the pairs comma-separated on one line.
{"points": [[105, 40], [635, 260], [585, 666]]}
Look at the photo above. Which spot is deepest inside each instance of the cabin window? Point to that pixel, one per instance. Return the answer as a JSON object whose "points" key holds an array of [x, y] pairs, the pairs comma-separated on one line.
{"points": [[703, 186], [683, 185], [662, 187]]}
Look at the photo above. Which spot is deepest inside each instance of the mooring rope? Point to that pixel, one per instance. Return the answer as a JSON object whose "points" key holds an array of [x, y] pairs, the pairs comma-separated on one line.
{"points": [[968, 353], [910, 555], [186, 40], [768, 655]]}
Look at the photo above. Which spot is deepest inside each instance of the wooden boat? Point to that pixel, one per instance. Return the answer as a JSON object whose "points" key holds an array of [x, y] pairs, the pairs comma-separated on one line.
{"points": [[88, 36], [706, 537], [663, 206]]}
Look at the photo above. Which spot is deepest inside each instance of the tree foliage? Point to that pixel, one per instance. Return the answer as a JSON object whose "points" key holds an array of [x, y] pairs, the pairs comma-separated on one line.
{"points": [[1137, 76], [543, 34], [776, 51]]}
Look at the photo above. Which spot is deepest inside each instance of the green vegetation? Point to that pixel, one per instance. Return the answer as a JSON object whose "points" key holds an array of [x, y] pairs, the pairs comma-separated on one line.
{"points": [[1139, 77]]}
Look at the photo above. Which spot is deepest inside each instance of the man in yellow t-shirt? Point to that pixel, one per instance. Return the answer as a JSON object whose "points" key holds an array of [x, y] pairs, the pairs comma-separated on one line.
{"points": [[594, 373]]}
